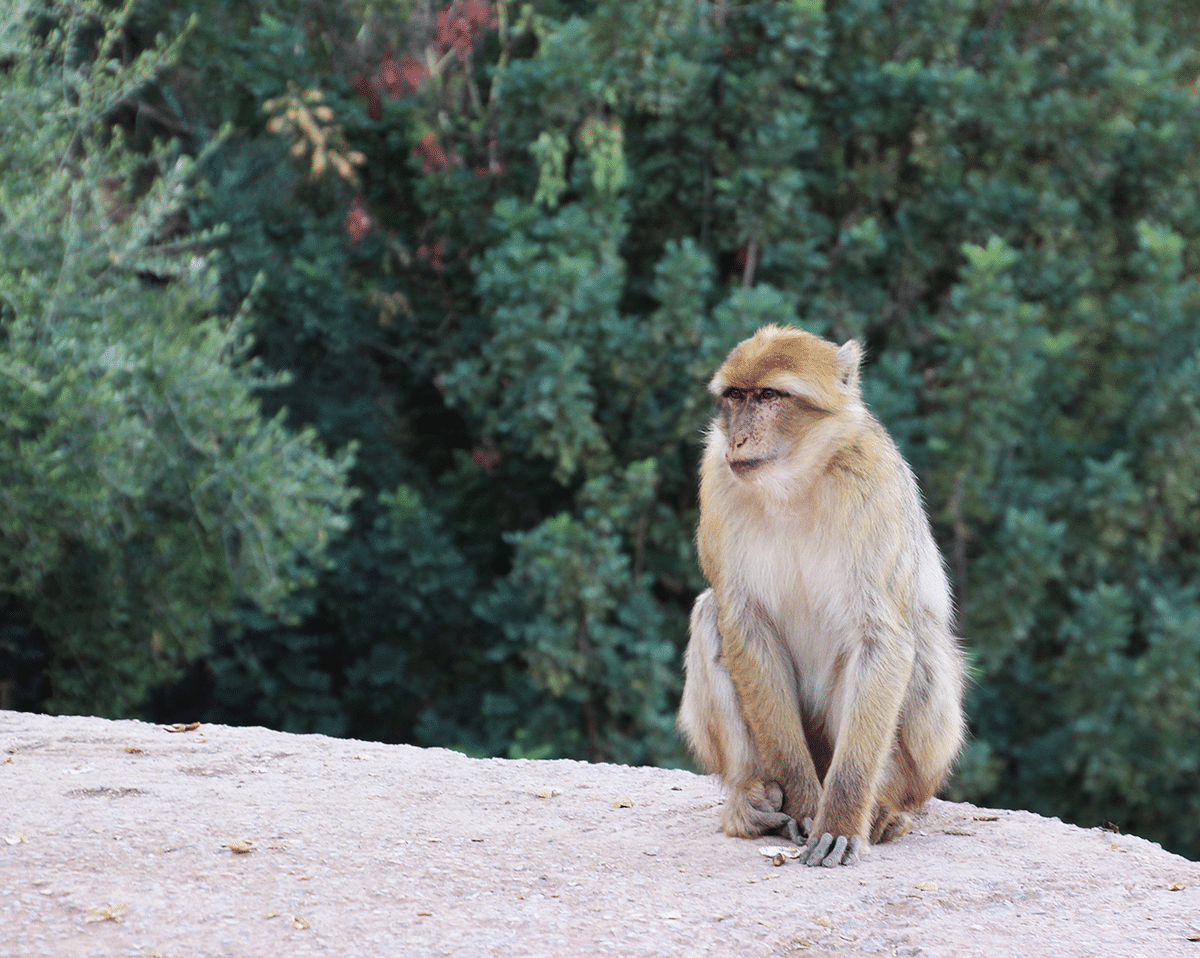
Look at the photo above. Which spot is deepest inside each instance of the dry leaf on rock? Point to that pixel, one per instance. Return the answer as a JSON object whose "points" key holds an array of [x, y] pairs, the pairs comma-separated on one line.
{"points": [[107, 913]]}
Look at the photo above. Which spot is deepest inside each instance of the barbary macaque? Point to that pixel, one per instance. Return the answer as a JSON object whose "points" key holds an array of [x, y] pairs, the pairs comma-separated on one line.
{"points": [[823, 683]]}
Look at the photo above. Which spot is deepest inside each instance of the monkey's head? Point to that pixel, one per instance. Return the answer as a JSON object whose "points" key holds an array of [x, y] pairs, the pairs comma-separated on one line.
{"points": [[786, 398]]}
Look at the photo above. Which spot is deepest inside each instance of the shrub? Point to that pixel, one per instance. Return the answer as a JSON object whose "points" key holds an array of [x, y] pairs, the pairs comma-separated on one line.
{"points": [[143, 491]]}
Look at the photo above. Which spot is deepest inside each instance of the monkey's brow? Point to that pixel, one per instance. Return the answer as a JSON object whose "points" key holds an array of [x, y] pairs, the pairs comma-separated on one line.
{"points": [[756, 390]]}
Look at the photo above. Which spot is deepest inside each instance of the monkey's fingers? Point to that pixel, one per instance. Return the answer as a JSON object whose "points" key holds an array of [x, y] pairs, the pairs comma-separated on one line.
{"points": [[830, 851], [793, 829], [817, 848]]}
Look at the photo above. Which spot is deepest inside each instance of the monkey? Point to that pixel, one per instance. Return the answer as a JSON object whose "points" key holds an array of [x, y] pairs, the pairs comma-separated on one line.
{"points": [[823, 683]]}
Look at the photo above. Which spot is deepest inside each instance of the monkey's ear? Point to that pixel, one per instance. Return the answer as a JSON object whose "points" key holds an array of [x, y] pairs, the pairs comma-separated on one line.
{"points": [[849, 355]]}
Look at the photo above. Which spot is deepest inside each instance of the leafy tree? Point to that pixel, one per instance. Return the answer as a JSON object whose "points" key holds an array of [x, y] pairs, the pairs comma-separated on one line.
{"points": [[505, 245], [142, 493]]}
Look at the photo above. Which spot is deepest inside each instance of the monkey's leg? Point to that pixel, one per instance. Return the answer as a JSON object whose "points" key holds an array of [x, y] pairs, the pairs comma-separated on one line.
{"points": [[903, 789], [872, 695], [711, 717], [928, 739], [759, 686]]}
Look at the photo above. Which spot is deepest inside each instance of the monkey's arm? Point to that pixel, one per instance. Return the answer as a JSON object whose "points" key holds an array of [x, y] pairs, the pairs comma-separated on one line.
{"points": [[873, 688], [757, 666]]}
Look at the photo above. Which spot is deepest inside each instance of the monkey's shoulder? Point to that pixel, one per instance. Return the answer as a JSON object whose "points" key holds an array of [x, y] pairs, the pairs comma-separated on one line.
{"points": [[872, 465]]}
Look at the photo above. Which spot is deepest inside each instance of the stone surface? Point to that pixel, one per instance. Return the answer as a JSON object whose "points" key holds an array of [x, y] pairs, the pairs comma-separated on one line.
{"points": [[121, 838]]}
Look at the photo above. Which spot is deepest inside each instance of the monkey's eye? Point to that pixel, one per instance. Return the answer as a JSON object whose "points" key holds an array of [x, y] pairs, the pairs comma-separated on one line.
{"points": [[768, 394], [734, 394]]}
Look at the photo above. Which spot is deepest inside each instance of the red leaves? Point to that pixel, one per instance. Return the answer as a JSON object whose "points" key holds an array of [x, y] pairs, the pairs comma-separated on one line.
{"points": [[357, 223], [433, 252], [457, 29], [413, 71], [394, 79], [433, 155], [486, 456], [397, 79], [459, 26], [388, 76], [367, 89]]}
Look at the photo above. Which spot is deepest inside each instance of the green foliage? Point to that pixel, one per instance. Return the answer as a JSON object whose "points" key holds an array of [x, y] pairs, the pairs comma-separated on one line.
{"points": [[566, 214], [143, 492], [577, 609]]}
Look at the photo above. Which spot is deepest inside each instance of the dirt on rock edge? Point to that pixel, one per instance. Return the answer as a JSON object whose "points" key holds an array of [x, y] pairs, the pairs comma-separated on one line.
{"points": [[127, 839]]}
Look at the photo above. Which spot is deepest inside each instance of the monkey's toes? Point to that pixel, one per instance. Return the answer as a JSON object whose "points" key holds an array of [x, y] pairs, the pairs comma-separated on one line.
{"points": [[830, 851], [890, 825]]}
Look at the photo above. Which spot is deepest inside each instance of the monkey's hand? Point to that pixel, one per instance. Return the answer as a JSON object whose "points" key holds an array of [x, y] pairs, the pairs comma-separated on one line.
{"points": [[796, 831], [830, 850]]}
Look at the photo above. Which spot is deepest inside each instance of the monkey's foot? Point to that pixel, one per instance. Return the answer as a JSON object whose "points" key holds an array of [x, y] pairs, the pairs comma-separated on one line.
{"points": [[830, 851], [889, 824], [755, 809]]}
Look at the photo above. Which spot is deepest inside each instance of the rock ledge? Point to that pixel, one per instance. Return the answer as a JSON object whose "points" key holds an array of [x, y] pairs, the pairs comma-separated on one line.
{"points": [[121, 838]]}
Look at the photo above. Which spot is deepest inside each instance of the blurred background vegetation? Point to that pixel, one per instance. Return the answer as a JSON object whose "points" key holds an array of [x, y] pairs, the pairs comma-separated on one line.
{"points": [[352, 357]]}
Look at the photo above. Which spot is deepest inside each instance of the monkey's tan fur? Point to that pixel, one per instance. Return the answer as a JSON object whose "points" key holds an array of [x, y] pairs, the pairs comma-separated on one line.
{"points": [[823, 683]]}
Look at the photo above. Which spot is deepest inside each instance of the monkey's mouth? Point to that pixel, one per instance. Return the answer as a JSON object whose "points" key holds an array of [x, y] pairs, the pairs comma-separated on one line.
{"points": [[742, 467]]}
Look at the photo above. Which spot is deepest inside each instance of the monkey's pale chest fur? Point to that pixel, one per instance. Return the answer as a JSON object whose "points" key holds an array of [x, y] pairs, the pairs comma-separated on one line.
{"points": [[793, 572]]}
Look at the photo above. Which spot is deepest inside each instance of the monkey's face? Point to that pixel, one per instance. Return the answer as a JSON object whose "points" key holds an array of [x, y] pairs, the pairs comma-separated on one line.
{"points": [[785, 398], [762, 424]]}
